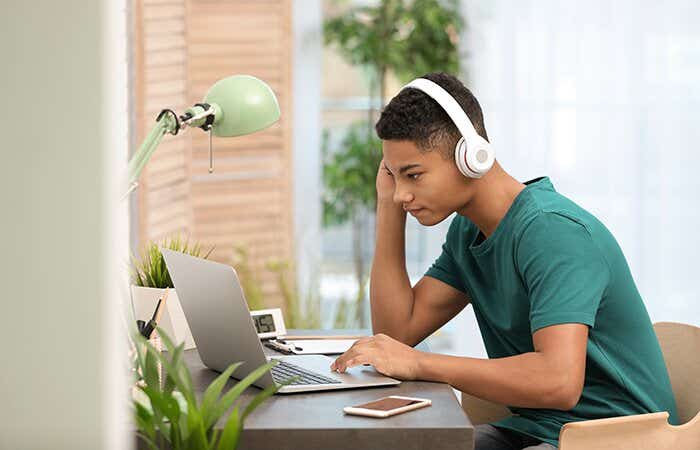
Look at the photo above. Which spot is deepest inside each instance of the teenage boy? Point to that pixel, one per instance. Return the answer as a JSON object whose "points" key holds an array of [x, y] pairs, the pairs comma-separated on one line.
{"points": [[565, 329]]}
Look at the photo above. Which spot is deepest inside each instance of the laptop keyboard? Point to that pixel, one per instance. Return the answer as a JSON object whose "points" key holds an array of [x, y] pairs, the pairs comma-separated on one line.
{"points": [[284, 370]]}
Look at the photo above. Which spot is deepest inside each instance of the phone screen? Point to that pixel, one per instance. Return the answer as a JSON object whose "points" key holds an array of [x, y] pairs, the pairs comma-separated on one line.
{"points": [[387, 404]]}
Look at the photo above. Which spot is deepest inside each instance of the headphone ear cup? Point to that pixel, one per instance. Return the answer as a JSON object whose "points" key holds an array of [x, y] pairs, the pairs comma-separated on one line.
{"points": [[461, 159], [475, 158], [480, 157]]}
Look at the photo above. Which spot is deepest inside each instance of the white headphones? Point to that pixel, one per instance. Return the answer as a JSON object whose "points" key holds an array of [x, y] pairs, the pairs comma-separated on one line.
{"points": [[473, 154]]}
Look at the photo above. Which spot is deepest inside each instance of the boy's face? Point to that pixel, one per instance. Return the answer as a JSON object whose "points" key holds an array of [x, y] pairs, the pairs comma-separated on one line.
{"points": [[427, 185]]}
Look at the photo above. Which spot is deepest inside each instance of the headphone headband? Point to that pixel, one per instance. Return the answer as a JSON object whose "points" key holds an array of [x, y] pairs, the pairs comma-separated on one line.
{"points": [[473, 154], [449, 104]]}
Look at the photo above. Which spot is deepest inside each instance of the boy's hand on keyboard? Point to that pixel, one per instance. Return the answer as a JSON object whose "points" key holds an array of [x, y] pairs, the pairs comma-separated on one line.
{"points": [[388, 356]]}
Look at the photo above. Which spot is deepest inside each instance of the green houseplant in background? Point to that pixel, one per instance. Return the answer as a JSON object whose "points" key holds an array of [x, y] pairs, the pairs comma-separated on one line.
{"points": [[150, 277], [349, 196], [249, 278], [298, 312], [301, 312], [389, 38], [170, 415]]}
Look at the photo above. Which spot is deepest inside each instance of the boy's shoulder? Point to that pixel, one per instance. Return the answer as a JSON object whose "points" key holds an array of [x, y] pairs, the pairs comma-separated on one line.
{"points": [[539, 204], [545, 205]]}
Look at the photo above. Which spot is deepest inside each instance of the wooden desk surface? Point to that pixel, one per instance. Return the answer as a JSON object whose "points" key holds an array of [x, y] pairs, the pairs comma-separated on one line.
{"points": [[315, 421]]}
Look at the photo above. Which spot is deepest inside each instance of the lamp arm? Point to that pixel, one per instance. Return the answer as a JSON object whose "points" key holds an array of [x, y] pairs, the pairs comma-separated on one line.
{"points": [[166, 123]]}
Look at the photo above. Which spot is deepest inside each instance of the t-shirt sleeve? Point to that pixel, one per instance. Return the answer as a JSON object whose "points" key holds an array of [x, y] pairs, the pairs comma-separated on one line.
{"points": [[445, 267], [564, 272]]}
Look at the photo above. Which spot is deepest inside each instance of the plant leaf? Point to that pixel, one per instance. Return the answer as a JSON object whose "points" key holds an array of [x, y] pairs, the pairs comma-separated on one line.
{"points": [[211, 395], [176, 369], [147, 440], [184, 412], [264, 395], [167, 341], [197, 438], [227, 400], [176, 373], [144, 420], [231, 432], [165, 404], [157, 416], [150, 372]]}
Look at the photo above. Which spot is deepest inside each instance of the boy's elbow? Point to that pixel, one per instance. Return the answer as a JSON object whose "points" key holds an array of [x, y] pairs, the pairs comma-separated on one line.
{"points": [[567, 396], [569, 401]]}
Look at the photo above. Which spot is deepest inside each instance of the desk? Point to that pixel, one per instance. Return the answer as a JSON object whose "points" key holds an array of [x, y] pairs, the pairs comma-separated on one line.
{"points": [[317, 422]]}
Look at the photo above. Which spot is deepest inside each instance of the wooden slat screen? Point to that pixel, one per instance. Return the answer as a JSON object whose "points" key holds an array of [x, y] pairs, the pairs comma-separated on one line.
{"points": [[161, 82], [247, 201]]}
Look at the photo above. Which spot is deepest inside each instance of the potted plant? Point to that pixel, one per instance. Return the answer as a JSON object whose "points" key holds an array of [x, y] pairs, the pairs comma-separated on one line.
{"points": [[172, 415], [150, 278]]}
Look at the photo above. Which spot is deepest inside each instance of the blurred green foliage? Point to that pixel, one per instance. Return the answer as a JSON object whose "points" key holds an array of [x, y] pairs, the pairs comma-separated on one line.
{"points": [[250, 282], [299, 312], [349, 175], [407, 37], [404, 38]]}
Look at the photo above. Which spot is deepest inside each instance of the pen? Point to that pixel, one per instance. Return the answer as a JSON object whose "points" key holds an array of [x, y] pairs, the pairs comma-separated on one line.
{"points": [[278, 347], [159, 312], [153, 323], [296, 347]]}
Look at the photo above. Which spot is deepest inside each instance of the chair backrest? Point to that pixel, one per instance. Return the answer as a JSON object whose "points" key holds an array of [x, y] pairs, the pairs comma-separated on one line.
{"points": [[680, 344]]}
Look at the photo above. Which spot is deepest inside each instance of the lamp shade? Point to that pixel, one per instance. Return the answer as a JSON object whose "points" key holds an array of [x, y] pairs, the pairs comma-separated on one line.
{"points": [[246, 104]]}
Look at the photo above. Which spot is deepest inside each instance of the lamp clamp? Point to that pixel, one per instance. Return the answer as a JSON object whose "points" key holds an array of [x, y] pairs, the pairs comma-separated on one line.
{"points": [[172, 129]]}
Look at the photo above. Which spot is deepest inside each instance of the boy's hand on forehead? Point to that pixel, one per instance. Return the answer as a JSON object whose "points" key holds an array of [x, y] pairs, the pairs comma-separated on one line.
{"points": [[385, 184]]}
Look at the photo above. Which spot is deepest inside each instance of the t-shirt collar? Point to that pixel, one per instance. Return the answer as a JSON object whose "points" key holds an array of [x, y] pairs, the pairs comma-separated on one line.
{"points": [[535, 183]]}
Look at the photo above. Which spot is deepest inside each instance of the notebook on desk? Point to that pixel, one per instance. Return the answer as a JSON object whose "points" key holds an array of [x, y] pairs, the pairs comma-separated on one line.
{"points": [[224, 332]]}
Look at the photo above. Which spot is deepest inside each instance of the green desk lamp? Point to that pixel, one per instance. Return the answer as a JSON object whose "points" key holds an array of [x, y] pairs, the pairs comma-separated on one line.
{"points": [[234, 106]]}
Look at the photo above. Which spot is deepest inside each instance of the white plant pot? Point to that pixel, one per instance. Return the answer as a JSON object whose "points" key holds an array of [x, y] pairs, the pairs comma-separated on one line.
{"points": [[173, 321]]}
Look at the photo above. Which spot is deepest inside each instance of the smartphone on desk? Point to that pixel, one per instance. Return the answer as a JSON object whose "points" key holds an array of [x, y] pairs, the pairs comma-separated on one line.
{"points": [[387, 406]]}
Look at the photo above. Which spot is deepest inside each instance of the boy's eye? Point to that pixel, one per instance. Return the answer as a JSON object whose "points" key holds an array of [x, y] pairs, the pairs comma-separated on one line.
{"points": [[413, 176]]}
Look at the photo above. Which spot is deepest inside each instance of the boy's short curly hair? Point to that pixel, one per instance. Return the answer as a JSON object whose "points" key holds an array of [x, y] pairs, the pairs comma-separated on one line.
{"points": [[414, 116]]}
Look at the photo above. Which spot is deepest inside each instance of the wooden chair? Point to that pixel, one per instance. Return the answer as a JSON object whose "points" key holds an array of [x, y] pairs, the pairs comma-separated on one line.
{"points": [[680, 344]]}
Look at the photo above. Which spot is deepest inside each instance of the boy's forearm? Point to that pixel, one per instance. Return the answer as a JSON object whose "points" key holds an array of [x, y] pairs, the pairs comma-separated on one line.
{"points": [[391, 296], [524, 380]]}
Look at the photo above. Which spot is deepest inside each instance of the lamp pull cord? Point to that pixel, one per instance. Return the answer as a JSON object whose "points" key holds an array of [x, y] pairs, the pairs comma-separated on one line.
{"points": [[211, 153]]}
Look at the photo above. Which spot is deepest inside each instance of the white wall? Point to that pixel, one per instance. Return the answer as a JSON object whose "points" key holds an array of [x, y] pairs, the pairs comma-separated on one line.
{"points": [[603, 97], [63, 128]]}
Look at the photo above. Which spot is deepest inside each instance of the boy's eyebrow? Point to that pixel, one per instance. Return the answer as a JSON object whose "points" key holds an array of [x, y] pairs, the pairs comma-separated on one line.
{"points": [[404, 168], [408, 167]]}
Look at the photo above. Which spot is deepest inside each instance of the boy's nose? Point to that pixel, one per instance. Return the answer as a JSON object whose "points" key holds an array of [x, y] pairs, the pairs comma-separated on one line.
{"points": [[402, 196]]}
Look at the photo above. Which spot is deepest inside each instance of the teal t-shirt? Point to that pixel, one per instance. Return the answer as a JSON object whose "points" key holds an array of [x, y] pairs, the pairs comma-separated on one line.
{"points": [[551, 262]]}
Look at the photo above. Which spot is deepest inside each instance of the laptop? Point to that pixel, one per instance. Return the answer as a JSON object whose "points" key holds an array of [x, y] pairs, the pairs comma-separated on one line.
{"points": [[224, 332]]}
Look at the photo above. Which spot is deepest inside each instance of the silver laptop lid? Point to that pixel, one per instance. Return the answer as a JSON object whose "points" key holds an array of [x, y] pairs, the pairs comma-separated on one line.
{"points": [[217, 313]]}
